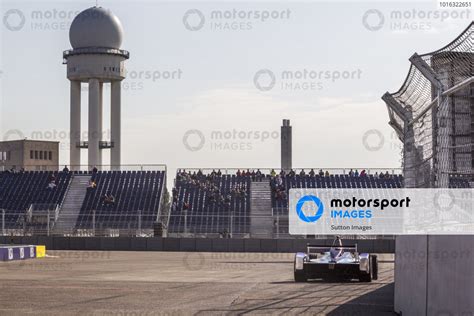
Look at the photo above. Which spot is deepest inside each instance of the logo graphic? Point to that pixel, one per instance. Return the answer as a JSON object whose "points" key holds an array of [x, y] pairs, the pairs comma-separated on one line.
{"points": [[188, 20], [373, 26], [260, 83], [17, 14], [13, 134], [375, 133], [194, 132], [302, 215]]}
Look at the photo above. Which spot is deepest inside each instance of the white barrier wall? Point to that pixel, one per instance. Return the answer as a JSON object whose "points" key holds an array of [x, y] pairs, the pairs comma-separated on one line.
{"points": [[434, 275]]}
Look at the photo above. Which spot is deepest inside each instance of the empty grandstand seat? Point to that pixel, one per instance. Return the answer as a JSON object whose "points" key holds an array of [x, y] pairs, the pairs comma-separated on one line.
{"points": [[137, 200], [19, 190]]}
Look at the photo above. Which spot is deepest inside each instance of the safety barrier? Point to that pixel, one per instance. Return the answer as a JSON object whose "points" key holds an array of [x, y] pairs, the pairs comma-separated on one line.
{"points": [[191, 244]]}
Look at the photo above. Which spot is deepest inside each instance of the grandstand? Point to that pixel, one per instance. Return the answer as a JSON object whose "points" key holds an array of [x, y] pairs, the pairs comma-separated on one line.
{"points": [[76, 208], [210, 204], [20, 191], [207, 203]]}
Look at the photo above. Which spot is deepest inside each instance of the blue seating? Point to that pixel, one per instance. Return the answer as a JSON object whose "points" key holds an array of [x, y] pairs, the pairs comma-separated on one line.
{"points": [[19, 190], [331, 181], [137, 200], [459, 182], [213, 204]]}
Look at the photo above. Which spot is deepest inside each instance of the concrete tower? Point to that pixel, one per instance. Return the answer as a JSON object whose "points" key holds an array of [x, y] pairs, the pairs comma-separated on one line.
{"points": [[286, 146], [96, 58]]}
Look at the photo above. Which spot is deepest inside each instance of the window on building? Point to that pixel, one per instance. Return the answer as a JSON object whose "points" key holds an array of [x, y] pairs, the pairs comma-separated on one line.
{"points": [[50, 155], [41, 155], [32, 154], [36, 154]]}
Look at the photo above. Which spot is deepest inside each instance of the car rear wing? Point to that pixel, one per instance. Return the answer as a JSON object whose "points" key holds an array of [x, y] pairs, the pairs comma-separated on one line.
{"points": [[325, 248]]}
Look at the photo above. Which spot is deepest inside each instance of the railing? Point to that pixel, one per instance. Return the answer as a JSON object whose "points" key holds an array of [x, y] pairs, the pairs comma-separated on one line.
{"points": [[185, 224], [267, 171], [88, 168], [95, 50], [18, 223]]}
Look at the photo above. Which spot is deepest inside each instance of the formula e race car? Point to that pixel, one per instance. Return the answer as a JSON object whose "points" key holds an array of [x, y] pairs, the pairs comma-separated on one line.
{"points": [[335, 262]]}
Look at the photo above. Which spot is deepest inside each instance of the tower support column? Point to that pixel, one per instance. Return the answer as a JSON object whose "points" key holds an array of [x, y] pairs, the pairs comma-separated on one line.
{"points": [[286, 146], [101, 120], [94, 116], [115, 125], [75, 126]]}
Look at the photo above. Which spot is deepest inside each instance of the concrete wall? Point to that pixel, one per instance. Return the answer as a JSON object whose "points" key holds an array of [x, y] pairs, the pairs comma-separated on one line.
{"points": [[434, 275], [20, 154], [188, 244]]}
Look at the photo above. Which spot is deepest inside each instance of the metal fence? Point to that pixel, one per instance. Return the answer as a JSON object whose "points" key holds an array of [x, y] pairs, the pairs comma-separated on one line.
{"points": [[23, 223], [267, 171], [86, 168], [101, 224]]}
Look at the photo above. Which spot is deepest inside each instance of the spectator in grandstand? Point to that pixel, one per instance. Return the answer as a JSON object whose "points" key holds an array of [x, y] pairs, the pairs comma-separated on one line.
{"points": [[356, 173], [326, 174], [258, 175], [279, 181], [363, 173], [321, 172], [387, 175], [273, 173], [282, 173], [311, 173], [219, 173], [238, 173], [109, 199], [302, 173], [292, 173], [381, 176], [351, 173], [52, 178], [253, 174], [94, 170], [51, 185], [91, 185], [186, 206], [66, 169]]}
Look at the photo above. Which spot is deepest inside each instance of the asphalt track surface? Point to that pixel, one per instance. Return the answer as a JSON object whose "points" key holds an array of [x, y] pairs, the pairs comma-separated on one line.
{"points": [[172, 283]]}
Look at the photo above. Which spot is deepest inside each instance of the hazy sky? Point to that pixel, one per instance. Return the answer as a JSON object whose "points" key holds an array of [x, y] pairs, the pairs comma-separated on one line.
{"points": [[193, 71]]}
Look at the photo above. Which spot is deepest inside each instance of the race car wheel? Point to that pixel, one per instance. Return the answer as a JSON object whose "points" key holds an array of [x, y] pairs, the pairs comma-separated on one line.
{"points": [[365, 277], [374, 267], [300, 276]]}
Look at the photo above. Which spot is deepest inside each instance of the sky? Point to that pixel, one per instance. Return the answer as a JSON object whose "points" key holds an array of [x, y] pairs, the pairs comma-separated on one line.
{"points": [[208, 83]]}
